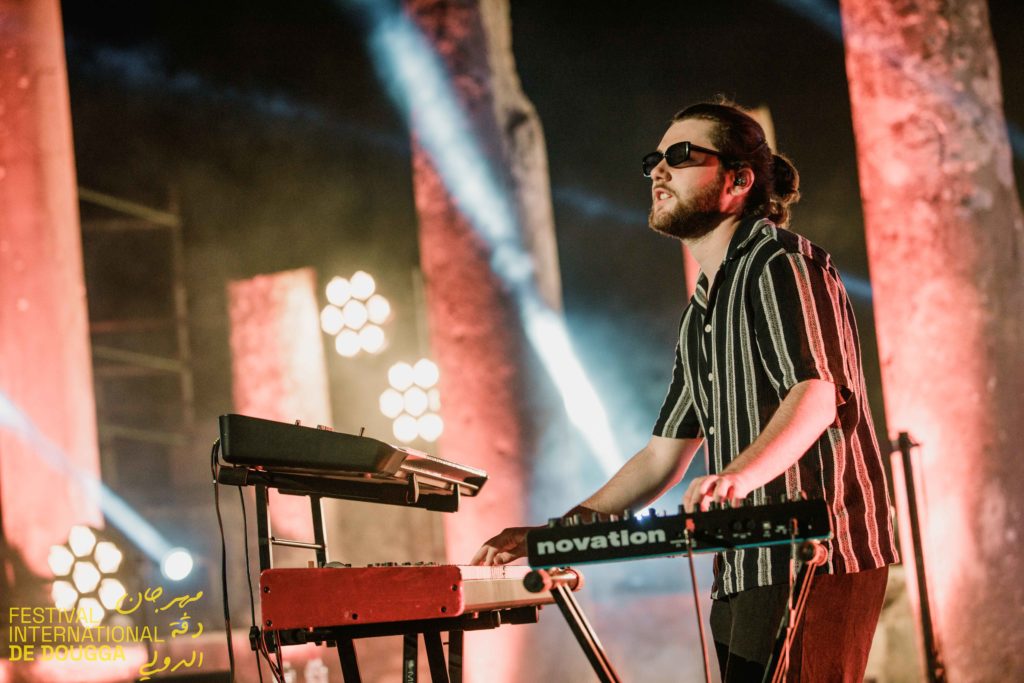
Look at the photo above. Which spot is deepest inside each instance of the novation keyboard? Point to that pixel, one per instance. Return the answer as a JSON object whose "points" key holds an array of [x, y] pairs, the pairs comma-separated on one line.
{"points": [[342, 596], [564, 543]]}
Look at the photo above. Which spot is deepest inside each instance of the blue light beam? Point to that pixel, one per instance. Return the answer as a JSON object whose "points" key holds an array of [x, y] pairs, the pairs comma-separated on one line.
{"points": [[418, 82], [114, 508]]}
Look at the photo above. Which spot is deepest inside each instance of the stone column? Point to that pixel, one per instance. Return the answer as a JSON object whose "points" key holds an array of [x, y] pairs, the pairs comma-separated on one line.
{"points": [[48, 442], [945, 240], [497, 404]]}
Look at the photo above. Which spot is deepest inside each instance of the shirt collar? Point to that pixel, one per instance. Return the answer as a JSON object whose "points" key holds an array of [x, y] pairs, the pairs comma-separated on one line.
{"points": [[748, 231]]}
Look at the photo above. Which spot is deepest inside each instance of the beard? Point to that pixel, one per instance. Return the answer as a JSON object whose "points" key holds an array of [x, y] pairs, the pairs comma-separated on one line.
{"points": [[692, 219]]}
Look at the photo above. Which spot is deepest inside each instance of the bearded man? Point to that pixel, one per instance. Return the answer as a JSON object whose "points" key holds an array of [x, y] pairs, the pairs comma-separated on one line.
{"points": [[768, 373]]}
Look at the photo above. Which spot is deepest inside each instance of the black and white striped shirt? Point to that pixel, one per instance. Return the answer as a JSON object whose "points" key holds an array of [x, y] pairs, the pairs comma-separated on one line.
{"points": [[777, 315]]}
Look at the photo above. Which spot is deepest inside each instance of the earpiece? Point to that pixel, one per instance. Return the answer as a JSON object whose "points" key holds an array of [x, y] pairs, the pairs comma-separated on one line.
{"points": [[740, 181]]}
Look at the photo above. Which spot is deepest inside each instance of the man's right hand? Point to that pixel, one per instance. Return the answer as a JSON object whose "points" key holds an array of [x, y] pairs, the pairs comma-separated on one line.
{"points": [[507, 546]]}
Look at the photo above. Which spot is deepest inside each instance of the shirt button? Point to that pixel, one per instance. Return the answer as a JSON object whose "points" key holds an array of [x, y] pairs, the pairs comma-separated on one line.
{"points": [[707, 328], [710, 376], [711, 431]]}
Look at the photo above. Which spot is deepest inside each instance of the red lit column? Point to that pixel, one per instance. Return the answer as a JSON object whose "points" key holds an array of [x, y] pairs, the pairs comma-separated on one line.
{"points": [[496, 402], [279, 371], [945, 240], [45, 364]]}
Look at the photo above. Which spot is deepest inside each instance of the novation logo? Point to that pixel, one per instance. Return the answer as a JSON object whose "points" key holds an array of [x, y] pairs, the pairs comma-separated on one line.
{"points": [[612, 539]]}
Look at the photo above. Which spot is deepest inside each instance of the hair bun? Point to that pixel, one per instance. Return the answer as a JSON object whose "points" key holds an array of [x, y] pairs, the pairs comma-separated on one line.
{"points": [[787, 180]]}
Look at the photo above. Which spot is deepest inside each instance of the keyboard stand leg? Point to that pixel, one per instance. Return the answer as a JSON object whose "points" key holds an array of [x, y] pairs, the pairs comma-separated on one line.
{"points": [[778, 664], [435, 657], [455, 642], [410, 655], [585, 634], [349, 665]]}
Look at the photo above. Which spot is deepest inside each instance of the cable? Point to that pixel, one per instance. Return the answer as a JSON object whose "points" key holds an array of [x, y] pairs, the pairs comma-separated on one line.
{"points": [[214, 467], [782, 664], [696, 602], [248, 574]]}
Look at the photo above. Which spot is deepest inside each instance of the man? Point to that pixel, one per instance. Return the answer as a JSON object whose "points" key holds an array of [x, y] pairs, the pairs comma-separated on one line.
{"points": [[768, 372]]}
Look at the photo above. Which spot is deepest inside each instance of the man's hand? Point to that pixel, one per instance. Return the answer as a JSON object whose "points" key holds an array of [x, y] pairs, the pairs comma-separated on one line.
{"points": [[715, 488], [507, 546]]}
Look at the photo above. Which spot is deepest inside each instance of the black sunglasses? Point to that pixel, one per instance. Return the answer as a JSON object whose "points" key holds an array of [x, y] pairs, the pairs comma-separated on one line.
{"points": [[675, 155]]}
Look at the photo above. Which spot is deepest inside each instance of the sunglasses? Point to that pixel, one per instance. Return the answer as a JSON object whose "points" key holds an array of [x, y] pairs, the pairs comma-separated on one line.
{"points": [[676, 155]]}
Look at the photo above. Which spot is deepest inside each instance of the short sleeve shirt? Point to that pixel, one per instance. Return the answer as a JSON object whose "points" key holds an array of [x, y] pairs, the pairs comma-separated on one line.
{"points": [[777, 315]]}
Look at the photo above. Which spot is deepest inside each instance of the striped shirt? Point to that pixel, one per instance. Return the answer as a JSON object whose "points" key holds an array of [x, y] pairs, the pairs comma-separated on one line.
{"points": [[777, 315]]}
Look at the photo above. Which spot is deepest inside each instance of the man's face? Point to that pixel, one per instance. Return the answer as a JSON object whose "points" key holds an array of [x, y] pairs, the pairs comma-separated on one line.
{"points": [[686, 201]]}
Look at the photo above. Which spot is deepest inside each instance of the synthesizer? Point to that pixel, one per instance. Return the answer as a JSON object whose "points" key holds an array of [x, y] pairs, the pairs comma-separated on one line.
{"points": [[564, 543], [343, 596], [267, 445]]}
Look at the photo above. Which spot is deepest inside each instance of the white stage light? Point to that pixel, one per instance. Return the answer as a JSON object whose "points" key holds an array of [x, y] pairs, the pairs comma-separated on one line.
{"points": [[401, 376], [347, 343], [90, 612], [177, 564], [415, 401], [339, 291], [108, 557], [331, 320], [86, 576], [379, 309], [111, 591], [391, 403], [82, 540], [60, 560], [426, 373], [430, 427], [64, 595], [355, 314], [363, 285], [405, 428], [371, 338]]}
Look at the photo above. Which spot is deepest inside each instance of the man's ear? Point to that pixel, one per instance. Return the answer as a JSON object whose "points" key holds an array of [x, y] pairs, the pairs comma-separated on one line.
{"points": [[742, 181]]}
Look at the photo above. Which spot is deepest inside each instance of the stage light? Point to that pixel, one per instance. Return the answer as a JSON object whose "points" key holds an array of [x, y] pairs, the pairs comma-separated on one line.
{"points": [[89, 586], [331, 320], [426, 373], [81, 539], [108, 557], [86, 576], [379, 309], [60, 560], [430, 427], [405, 428], [177, 564], [371, 338], [355, 314], [413, 401], [339, 291], [347, 343], [64, 595], [401, 376], [363, 285], [90, 612], [111, 591], [391, 403]]}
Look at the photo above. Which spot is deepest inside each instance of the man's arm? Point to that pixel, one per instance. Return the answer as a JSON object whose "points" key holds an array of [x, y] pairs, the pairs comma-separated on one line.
{"points": [[806, 412], [654, 469]]}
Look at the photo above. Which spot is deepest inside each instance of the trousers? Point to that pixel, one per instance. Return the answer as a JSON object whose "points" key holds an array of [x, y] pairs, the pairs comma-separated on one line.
{"points": [[831, 643]]}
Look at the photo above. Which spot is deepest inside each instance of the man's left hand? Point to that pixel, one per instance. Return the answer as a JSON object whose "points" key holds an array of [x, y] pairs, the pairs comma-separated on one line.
{"points": [[714, 488]]}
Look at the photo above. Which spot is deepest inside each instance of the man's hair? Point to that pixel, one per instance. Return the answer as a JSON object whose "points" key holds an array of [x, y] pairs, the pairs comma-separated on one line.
{"points": [[741, 140]]}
